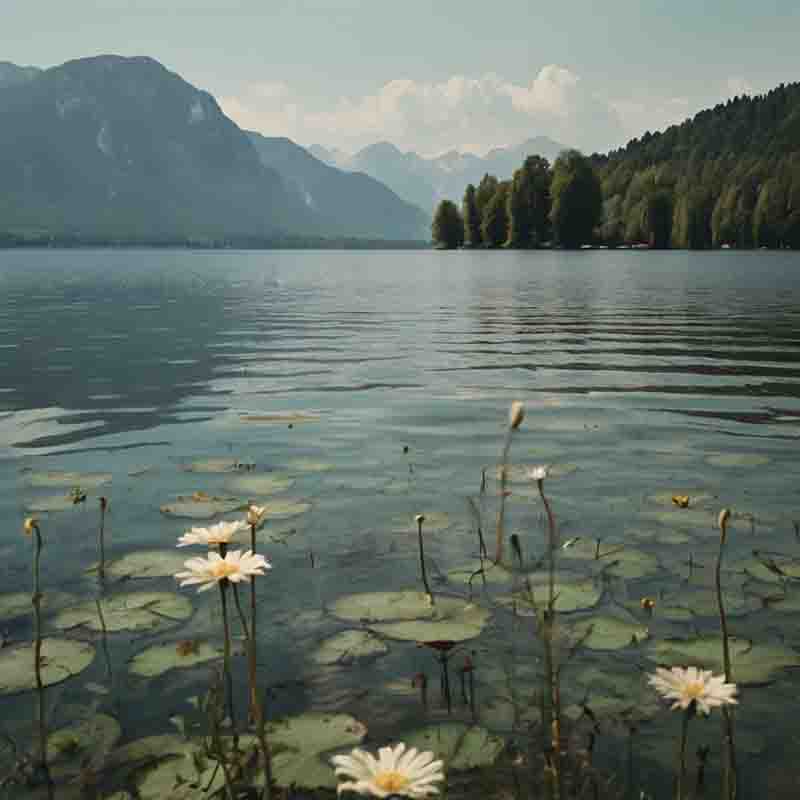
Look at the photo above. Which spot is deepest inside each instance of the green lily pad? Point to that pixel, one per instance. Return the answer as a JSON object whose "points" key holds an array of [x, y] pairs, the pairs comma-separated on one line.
{"points": [[603, 632], [685, 518], [301, 743], [161, 658], [201, 506], [737, 460], [147, 564], [382, 606], [750, 663], [283, 509], [569, 595], [213, 466], [133, 611], [703, 602], [18, 604], [51, 503], [771, 571], [86, 480], [493, 574], [308, 465], [85, 742], [459, 745], [259, 485], [453, 620], [281, 417], [60, 660], [349, 647], [614, 559]]}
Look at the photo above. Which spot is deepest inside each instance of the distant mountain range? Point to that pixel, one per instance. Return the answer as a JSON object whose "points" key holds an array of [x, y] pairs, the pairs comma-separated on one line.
{"points": [[425, 181], [121, 148]]}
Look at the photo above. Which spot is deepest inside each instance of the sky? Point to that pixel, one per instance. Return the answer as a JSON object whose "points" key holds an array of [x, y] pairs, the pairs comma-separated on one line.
{"points": [[434, 75]]}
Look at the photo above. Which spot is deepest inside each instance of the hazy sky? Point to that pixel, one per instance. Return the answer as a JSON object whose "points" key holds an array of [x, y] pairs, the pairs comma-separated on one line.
{"points": [[431, 75]]}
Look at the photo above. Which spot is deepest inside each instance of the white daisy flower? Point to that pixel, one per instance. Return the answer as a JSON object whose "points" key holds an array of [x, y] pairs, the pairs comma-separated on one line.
{"points": [[236, 567], [691, 685], [221, 533], [396, 771], [538, 473]]}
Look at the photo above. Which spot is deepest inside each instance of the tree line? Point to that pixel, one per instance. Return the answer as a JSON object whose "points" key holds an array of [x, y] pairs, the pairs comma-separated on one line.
{"points": [[729, 177]]}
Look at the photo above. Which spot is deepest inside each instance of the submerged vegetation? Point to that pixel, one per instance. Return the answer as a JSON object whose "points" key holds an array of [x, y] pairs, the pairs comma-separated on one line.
{"points": [[729, 177], [525, 706]]}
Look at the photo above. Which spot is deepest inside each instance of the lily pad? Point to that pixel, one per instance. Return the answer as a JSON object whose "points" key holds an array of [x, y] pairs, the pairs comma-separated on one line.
{"points": [[18, 604], [259, 485], [349, 647], [569, 595], [201, 506], [604, 632], [459, 745], [308, 465], [51, 503], [86, 480], [493, 574], [147, 564], [452, 620], [86, 742], [301, 743], [214, 466], [60, 660], [161, 658], [283, 509], [133, 611], [750, 663], [382, 606], [613, 559], [281, 417], [696, 497], [737, 460]]}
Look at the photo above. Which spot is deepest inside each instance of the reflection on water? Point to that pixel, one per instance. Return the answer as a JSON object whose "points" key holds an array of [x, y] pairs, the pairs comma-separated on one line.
{"points": [[364, 388]]}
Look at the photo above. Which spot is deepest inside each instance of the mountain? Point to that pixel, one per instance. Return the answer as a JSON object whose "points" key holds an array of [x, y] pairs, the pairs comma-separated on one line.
{"points": [[113, 148], [350, 202], [11, 74], [425, 181]]}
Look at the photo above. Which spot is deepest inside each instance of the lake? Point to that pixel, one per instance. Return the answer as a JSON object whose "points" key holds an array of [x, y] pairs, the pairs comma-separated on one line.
{"points": [[351, 391]]}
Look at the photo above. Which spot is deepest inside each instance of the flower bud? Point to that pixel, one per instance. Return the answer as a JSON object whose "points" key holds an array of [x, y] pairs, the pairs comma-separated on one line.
{"points": [[419, 519], [723, 518], [30, 524], [516, 414]]}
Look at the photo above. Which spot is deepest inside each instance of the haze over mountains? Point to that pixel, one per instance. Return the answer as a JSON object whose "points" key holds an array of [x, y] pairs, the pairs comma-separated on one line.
{"points": [[121, 148], [426, 181]]}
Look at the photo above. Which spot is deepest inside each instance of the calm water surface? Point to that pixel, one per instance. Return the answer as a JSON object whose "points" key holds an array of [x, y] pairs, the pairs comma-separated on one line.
{"points": [[644, 375]]}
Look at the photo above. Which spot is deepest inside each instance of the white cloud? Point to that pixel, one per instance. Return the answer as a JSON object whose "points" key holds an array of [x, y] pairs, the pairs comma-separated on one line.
{"points": [[467, 113]]}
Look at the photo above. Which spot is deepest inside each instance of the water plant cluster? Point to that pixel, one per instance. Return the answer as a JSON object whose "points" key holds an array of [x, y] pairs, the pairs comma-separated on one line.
{"points": [[531, 699]]}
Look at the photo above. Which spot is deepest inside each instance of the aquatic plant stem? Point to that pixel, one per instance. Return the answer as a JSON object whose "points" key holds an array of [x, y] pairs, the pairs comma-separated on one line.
{"points": [[101, 569], [420, 520], [729, 770], [226, 656], [500, 529], [551, 669], [37, 657], [256, 708], [687, 715], [253, 589]]}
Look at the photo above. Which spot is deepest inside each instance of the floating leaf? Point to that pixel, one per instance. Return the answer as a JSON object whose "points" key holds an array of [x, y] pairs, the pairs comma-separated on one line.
{"points": [[161, 658], [604, 632], [282, 509], [61, 659], [133, 611], [214, 466], [308, 465], [147, 564], [382, 606], [201, 506], [348, 647], [259, 485], [84, 743], [86, 480], [737, 460], [459, 745], [18, 604], [281, 417], [493, 574], [569, 595]]}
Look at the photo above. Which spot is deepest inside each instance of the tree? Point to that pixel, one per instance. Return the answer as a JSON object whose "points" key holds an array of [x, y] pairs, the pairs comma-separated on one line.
{"points": [[485, 192], [448, 227], [494, 227], [577, 200], [472, 218], [528, 204], [658, 219]]}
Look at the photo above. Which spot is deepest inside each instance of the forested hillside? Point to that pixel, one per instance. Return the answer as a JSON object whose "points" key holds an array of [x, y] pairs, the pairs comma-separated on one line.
{"points": [[729, 177]]}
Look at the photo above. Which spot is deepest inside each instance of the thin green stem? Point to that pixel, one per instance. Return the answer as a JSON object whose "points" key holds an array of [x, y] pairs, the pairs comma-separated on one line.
{"points": [[37, 660], [687, 715], [101, 569], [500, 531], [422, 560], [226, 658], [253, 587]]}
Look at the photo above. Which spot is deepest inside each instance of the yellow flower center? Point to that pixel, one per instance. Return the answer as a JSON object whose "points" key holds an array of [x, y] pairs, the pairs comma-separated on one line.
{"points": [[222, 569], [391, 781], [694, 690]]}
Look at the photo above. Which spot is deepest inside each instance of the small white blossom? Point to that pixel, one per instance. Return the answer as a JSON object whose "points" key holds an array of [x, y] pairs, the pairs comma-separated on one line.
{"points": [[538, 473], [692, 685], [221, 533], [516, 414], [256, 514], [396, 771], [236, 567]]}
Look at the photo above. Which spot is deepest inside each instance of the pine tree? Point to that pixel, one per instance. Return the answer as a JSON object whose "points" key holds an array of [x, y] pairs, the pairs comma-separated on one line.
{"points": [[494, 227], [448, 227], [472, 218], [577, 199]]}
